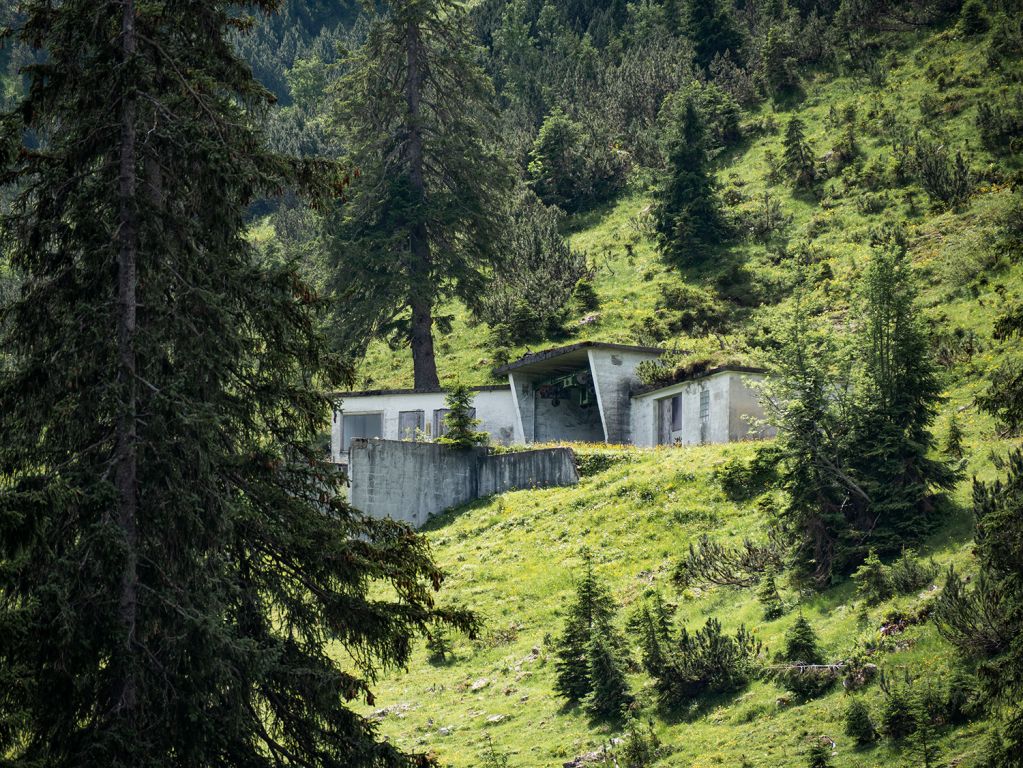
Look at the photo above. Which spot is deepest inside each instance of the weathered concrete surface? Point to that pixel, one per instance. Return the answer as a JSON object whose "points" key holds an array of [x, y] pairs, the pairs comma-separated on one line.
{"points": [[548, 468], [411, 481]]}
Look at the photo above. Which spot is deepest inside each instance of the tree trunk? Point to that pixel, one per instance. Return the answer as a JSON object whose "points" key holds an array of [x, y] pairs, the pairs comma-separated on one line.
{"points": [[126, 449], [424, 364]]}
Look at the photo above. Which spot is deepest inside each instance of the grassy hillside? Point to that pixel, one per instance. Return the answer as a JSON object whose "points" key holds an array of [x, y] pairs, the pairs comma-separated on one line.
{"points": [[514, 558], [933, 83]]}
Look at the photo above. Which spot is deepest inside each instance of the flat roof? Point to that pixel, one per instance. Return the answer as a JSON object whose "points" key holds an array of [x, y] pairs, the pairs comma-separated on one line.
{"points": [[650, 388], [572, 354], [441, 391]]}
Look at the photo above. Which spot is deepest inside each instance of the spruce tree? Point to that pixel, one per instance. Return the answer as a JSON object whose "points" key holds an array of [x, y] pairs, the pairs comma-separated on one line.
{"points": [[609, 690], [799, 159], [897, 398], [767, 594], [819, 754], [460, 420], [858, 725], [985, 622], [426, 207], [176, 557], [591, 613], [801, 643], [709, 24], [687, 220], [953, 447]]}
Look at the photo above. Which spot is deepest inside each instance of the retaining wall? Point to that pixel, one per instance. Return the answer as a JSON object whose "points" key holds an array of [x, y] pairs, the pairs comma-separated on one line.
{"points": [[411, 481]]}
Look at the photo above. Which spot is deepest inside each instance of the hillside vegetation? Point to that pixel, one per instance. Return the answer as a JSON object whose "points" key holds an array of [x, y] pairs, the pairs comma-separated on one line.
{"points": [[516, 558]]}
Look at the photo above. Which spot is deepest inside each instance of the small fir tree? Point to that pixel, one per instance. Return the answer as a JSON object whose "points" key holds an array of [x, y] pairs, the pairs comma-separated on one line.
{"points": [[438, 645], [591, 613], [769, 598], [953, 447], [798, 156], [490, 757], [460, 420], [609, 690], [873, 583], [973, 18], [641, 746], [709, 24], [819, 754], [985, 622], [858, 725], [806, 676], [687, 220], [801, 643]]}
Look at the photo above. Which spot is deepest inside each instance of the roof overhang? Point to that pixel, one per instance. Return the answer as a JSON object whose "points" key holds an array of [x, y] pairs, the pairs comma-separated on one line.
{"points": [[563, 360]]}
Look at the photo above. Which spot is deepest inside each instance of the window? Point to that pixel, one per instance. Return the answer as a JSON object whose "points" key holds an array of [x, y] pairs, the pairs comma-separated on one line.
{"points": [[355, 425], [410, 425], [704, 404], [676, 413], [440, 427]]}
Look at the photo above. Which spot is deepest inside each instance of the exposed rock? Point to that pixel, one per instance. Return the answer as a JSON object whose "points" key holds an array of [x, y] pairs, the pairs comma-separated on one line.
{"points": [[480, 684]]}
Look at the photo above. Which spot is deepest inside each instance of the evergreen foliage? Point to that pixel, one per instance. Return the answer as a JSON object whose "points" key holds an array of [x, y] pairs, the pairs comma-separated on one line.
{"points": [[687, 221], [460, 421], [855, 425], [858, 725], [873, 580], [953, 447], [530, 289], [799, 160], [819, 754], [770, 600], [1004, 396], [609, 690], [590, 618], [653, 625], [177, 559], [973, 18], [985, 622], [641, 748], [426, 209], [706, 662], [804, 673], [710, 26]]}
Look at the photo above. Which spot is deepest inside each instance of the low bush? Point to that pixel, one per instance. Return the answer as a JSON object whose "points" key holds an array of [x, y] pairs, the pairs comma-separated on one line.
{"points": [[707, 662]]}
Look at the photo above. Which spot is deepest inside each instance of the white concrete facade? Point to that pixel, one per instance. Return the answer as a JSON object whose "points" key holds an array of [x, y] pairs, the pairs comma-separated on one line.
{"points": [[720, 406], [494, 408], [586, 392]]}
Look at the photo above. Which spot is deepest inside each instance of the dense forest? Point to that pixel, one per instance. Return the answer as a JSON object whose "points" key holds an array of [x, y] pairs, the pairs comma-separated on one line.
{"points": [[217, 216]]}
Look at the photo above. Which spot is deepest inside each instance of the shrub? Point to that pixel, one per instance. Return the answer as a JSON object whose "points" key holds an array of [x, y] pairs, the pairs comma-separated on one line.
{"points": [[1001, 125], [858, 724], [948, 181], [529, 293], [767, 594], [742, 480], [710, 562], [640, 748], [819, 754], [688, 309], [804, 673], [873, 583], [908, 573], [973, 18], [707, 662]]}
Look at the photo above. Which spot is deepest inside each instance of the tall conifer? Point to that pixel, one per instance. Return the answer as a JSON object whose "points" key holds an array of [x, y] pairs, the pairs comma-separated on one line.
{"points": [[425, 214], [174, 556]]}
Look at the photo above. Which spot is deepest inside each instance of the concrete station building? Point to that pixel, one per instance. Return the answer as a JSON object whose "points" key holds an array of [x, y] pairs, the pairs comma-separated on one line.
{"points": [[585, 392]]}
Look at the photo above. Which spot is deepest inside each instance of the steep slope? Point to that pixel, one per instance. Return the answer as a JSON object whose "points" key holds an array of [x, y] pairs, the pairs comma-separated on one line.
{"points": [[515, 557], [933, 86]]}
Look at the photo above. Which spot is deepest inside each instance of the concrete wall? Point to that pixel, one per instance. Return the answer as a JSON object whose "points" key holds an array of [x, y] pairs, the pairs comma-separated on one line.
{"points": [[746, 413], [411, 481], [544, 468], [494, 408], [566, 422], [614, 378], [732, 401]]}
